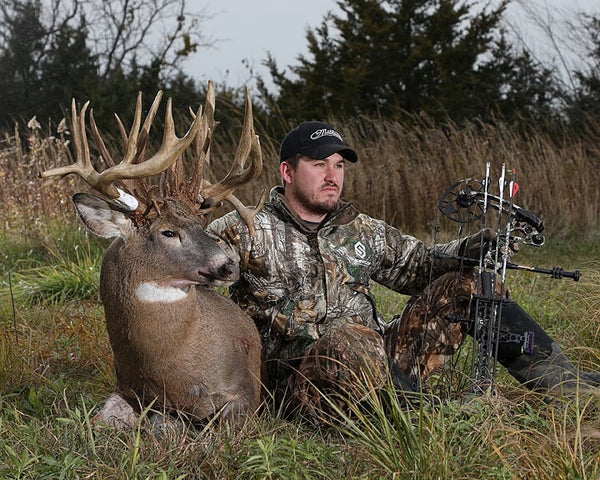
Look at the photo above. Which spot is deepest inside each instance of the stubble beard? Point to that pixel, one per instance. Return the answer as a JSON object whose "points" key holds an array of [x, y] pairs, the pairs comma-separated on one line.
{"points": [[318, 207]]}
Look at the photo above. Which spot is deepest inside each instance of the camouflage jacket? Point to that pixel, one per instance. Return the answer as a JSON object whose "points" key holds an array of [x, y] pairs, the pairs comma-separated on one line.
{"points": [[295, 280]]}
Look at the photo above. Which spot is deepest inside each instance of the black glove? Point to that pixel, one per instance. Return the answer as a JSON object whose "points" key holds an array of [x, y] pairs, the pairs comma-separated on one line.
{"points": [[471, 246]]}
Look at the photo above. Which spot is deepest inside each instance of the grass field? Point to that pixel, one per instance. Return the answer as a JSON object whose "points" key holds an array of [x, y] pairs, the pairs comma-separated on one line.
{"points": [[56, 370], [56, 365]]}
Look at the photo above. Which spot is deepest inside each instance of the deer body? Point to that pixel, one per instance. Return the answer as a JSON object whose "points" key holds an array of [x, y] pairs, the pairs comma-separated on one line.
{"points": [[196, 355], [178, 345], [209, 362], [176, 342]]}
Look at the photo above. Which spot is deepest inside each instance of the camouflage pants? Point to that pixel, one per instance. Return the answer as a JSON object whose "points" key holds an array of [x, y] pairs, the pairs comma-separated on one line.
{"points": [[422, 339], [351, 360], [348, 361]]}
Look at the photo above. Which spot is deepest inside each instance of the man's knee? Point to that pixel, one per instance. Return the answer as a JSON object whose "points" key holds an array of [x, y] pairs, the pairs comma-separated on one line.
{"points": [[348, 361], [345, 352]]}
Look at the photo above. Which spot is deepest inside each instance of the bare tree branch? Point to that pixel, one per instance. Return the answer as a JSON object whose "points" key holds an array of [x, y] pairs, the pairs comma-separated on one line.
{"points": [[560, 31], [126, 32]]}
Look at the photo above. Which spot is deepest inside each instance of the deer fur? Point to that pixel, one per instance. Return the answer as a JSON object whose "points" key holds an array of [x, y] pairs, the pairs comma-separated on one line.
{"points": [[177, 343]]}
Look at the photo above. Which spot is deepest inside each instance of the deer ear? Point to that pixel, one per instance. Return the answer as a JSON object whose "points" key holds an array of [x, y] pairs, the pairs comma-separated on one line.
{"points": [[100, 217]]}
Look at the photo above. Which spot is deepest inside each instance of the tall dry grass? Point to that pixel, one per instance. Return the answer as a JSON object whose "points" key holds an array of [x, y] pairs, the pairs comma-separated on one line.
{"points": [[21, 162], [404, 169], [402, 172]]}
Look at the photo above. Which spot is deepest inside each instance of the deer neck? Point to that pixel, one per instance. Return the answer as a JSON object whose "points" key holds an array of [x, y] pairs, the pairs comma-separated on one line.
{"points": [[135, 298]]}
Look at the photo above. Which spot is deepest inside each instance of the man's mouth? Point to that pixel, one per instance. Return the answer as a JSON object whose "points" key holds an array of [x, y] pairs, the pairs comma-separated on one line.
{"points": [[329, 188]]}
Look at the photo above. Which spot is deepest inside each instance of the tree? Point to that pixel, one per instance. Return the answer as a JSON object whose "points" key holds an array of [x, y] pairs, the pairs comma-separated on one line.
{"points": [[160, 32], [441, 57], [21, 45], [584, 103], [68, 68], [102, 50]]}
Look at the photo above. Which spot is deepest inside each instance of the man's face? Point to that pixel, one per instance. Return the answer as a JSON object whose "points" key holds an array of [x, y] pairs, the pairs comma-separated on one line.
{"points": [[314, 187]]}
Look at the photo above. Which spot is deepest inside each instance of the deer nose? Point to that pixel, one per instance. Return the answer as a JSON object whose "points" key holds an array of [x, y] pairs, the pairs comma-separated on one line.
{"points": [[221, 268]]}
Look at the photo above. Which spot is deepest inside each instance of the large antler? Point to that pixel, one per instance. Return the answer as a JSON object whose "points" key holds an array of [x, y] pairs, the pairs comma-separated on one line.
{"points": [[239, 173], [135, 143]]}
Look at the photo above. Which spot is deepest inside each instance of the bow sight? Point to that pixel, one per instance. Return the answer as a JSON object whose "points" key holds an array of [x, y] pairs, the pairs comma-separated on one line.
{"points": [[468, 201], [465, 202]]}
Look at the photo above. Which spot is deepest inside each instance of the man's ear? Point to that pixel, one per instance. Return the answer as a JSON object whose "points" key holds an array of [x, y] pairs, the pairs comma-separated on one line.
{"points": [[285, 170]]}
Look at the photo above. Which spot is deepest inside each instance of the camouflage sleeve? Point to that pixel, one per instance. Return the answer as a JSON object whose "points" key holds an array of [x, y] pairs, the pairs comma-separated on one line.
{"points": [[408, 265], [228, 231]]}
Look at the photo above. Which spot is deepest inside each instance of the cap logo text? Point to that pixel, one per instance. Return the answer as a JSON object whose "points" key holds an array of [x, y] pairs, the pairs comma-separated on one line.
{"points": [[325, 132]]}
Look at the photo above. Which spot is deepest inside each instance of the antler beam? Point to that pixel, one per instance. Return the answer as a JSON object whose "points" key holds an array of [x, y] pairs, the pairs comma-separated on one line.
{"points": [[239, 173], [171, 148], [248, 145]]}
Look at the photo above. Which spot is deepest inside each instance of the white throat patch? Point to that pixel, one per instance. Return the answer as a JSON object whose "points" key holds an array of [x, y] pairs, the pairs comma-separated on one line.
{"points": [[152, 293]]}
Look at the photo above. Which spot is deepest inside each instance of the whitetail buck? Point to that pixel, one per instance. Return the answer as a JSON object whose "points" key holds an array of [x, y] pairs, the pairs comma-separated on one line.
{"points": [[176, 342]]}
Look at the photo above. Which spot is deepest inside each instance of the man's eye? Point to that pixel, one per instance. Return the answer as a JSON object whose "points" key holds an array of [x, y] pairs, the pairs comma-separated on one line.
{"points": [[168, 233]]}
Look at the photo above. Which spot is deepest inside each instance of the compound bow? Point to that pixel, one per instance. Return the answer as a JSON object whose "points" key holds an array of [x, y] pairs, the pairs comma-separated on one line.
{"points": [[468, 201]]}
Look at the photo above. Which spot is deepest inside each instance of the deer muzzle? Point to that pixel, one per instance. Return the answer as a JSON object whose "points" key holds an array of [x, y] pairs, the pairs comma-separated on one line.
{"points": [[220, 271]]}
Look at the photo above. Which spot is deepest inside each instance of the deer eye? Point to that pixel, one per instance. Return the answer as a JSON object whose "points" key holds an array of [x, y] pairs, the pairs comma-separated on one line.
{"points": [[168, 233]]}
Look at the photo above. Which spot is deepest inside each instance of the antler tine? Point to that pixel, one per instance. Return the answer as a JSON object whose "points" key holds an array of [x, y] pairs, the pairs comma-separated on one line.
{"points": [[136, 147], [211, 124], [122, 130], [145, 130], [133, 145], [247, 213], [237, 175], [104, 153], [82, 166], [171, 148], [101, 146], [134, 131], [203, 141], [249, 146]]}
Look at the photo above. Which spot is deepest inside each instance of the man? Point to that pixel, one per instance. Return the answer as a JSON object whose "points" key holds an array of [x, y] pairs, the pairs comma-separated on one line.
{"points": [[305, 279]]}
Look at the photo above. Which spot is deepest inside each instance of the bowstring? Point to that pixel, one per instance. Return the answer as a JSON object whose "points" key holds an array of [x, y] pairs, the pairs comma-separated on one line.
{"points": [[505, 255], [455, 359]]}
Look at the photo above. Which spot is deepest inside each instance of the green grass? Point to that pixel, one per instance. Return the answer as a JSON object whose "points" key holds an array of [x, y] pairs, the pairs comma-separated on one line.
{"points": [[56, 372], [50, 264]]}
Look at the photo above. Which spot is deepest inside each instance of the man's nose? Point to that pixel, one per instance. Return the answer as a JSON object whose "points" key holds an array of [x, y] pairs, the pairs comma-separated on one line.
{"points": [[330, 173]]}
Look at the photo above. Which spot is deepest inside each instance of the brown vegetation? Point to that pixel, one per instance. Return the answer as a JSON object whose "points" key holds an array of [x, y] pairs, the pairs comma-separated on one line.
{"points": [[401, 174]]}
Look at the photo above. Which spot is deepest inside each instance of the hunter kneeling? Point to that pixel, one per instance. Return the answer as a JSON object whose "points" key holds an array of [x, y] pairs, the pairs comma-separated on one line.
{"points": [[305, 278]]}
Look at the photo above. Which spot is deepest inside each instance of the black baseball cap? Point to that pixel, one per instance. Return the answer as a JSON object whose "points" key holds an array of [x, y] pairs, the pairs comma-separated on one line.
{"points": [[316, 140]]}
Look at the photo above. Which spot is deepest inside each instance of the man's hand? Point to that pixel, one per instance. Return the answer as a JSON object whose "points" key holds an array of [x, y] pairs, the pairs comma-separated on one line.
{"points": [[471, 246]]}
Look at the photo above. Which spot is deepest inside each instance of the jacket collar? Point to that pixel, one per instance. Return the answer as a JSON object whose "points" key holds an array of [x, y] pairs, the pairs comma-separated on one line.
{"points": [[344, 213]]}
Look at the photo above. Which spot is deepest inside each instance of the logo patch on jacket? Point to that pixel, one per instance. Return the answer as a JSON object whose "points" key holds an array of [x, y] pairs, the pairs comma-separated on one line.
{"points": [[360, 250]]}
